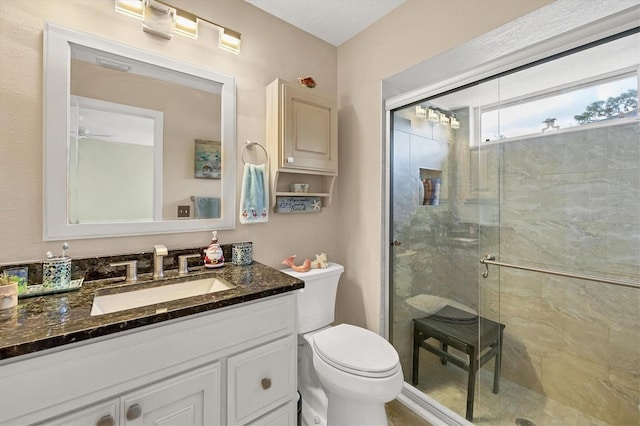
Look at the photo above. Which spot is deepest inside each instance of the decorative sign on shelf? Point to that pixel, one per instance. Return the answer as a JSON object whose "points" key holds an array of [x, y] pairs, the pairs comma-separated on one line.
{"points": [[298, 204]]}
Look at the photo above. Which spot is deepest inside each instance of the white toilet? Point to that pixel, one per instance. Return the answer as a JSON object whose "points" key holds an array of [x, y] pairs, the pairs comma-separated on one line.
{"points": [[345, 373]]}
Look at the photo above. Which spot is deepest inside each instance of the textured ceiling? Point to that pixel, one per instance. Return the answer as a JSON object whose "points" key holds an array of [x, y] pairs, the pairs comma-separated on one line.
{"points": [[334, 21]]}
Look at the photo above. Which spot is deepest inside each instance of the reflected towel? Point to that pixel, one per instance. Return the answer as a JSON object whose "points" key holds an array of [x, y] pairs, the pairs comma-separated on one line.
{"points": [[254, 199], [206, 207]]}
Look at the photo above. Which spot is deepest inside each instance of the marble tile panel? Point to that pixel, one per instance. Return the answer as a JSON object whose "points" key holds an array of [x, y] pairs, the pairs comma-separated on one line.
{"points": [[623, 250], [522, 197], [623, 150], [615, 195], [585, 151], [590, 302], [579, 383], [624, 360], [584, 340], [521, 367], [535, 158]]}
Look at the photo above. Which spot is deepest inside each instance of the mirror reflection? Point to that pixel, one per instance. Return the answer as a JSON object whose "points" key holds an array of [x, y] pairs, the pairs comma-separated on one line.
{"points": [[147, 143], [187, 109]]}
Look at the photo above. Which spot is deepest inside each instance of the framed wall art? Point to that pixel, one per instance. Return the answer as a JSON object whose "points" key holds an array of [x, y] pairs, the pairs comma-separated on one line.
{"points": [[208, 159]]}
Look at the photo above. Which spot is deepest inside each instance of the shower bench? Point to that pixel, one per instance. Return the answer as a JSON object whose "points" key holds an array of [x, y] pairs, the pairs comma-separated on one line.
{"points": [[478, 337]]}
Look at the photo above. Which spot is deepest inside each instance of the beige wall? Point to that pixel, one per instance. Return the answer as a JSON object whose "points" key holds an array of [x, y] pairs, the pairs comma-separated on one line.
{"points": [[412, 33], [350, 230]]}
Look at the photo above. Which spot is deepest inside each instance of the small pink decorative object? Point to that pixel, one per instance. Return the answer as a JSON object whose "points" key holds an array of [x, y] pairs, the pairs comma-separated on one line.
{"points": [[306, 265]]}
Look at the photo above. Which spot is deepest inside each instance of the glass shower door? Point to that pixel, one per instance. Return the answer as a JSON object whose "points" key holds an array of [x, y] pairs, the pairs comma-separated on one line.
{"points": [[437, 228], [539, 168]]}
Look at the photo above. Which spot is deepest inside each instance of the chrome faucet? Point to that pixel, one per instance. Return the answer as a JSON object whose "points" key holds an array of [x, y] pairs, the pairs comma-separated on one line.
{"points": [[159, 252], [132, 270], [183, 265]]}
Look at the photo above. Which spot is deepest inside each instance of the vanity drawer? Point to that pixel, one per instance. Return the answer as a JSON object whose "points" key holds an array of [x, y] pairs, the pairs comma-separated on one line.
{"points": [[260, 380]]}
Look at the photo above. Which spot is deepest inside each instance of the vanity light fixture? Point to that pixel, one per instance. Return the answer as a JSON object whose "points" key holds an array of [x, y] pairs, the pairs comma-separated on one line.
{"points": [[438, 116], [159, 19], [433, 116], [164, 20], [186, 24], [229, 40], [132, 8]]}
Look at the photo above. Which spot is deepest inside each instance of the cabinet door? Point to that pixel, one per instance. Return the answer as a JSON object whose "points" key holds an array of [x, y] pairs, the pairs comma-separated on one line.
{"points": [[260, 380], [310, 131], [189, 399], [101, 414]]}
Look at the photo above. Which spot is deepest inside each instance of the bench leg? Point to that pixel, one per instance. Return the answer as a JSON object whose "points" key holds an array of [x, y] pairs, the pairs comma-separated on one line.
{"points": [[498, 366], [444, 346], [416, 354], [471, 384]]}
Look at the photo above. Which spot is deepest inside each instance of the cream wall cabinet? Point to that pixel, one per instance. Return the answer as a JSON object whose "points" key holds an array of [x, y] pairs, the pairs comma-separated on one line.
{"points": [[178, 372], [302, 140]]}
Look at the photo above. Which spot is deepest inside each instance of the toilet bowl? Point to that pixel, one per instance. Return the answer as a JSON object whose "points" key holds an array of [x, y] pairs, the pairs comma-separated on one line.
{"points": [[345, 373]]}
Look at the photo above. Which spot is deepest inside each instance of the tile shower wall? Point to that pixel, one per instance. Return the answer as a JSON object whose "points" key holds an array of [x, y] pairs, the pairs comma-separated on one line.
{"points": [[566, 201], [570, 202]]}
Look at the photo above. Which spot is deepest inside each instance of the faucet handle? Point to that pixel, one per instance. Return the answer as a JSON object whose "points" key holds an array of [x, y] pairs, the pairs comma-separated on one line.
{"points": [[160, 250], [132, 269], [183, 263]]}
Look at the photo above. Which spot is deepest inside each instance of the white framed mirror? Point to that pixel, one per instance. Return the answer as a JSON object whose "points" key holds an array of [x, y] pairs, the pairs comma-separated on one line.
{"points": [[134, 142]]}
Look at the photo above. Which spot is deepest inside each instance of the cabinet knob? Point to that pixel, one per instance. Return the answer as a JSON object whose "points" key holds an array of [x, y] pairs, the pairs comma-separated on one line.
{"points": [[289, 160], [106, 421], [134, 412], [266, 383]]}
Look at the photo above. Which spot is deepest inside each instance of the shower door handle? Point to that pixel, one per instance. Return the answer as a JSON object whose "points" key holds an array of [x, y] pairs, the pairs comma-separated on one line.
{"points": [[396, 243]]}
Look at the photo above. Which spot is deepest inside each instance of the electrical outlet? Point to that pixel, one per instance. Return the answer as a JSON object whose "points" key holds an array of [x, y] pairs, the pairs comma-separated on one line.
{"points": [[184, 211]]}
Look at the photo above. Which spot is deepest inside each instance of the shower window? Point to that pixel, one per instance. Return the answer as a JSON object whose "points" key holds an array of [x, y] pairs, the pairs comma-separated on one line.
{"points": [[597, 101]]}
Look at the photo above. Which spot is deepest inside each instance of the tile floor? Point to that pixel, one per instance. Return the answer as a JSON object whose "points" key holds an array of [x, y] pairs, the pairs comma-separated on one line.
{"points": [[448, 385]]}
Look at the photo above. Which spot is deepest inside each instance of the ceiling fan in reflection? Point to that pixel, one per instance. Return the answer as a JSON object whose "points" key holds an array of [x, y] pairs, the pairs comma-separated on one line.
{"points": [[84, 133]]}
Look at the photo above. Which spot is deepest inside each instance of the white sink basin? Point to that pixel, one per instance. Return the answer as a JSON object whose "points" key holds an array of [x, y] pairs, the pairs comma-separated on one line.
{"points": [[149, 296]]}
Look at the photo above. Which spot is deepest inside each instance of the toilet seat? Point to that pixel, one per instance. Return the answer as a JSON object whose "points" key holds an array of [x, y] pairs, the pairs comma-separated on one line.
{"points": [[357, 351]]}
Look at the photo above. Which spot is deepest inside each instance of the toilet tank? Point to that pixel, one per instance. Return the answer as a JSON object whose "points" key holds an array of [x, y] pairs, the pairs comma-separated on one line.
{"points": [[316, 302]]}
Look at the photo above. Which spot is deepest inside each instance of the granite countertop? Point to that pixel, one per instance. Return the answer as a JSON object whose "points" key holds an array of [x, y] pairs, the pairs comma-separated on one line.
{"points": [[55, 320]]}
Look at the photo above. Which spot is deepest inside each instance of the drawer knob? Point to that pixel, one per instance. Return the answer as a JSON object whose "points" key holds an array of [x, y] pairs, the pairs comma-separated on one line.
{"points": [[106, 421], [134, 412], [266, 383]]}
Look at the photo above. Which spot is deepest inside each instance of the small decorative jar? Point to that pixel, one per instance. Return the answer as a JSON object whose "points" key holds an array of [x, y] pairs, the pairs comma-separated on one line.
{"points": [[242, 254]]}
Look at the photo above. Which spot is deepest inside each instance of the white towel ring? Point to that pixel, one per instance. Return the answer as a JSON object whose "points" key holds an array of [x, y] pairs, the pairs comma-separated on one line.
{"points": [[249, 145]]}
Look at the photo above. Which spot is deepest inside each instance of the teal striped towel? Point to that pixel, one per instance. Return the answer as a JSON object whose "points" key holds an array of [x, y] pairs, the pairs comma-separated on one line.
{"points": [[254, 197]]}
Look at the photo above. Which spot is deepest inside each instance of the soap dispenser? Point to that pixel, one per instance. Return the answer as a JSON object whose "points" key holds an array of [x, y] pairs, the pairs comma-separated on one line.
{"points": [[213, 256]]}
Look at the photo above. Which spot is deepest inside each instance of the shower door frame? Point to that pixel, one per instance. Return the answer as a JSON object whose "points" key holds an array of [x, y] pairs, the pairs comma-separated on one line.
{"points": [[485, 60]]}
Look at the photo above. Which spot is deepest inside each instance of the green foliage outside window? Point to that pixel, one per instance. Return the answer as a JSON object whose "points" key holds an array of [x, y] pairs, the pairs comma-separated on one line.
{"points": [[616, 106]]}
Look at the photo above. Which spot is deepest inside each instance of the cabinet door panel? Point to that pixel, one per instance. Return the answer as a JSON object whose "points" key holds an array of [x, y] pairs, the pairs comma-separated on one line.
{"points": [[310, 131], [190, 399], [260, 379]]}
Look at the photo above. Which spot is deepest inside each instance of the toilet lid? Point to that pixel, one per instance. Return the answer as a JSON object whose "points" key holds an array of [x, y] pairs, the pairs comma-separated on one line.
{"points": [[356, 350]]}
